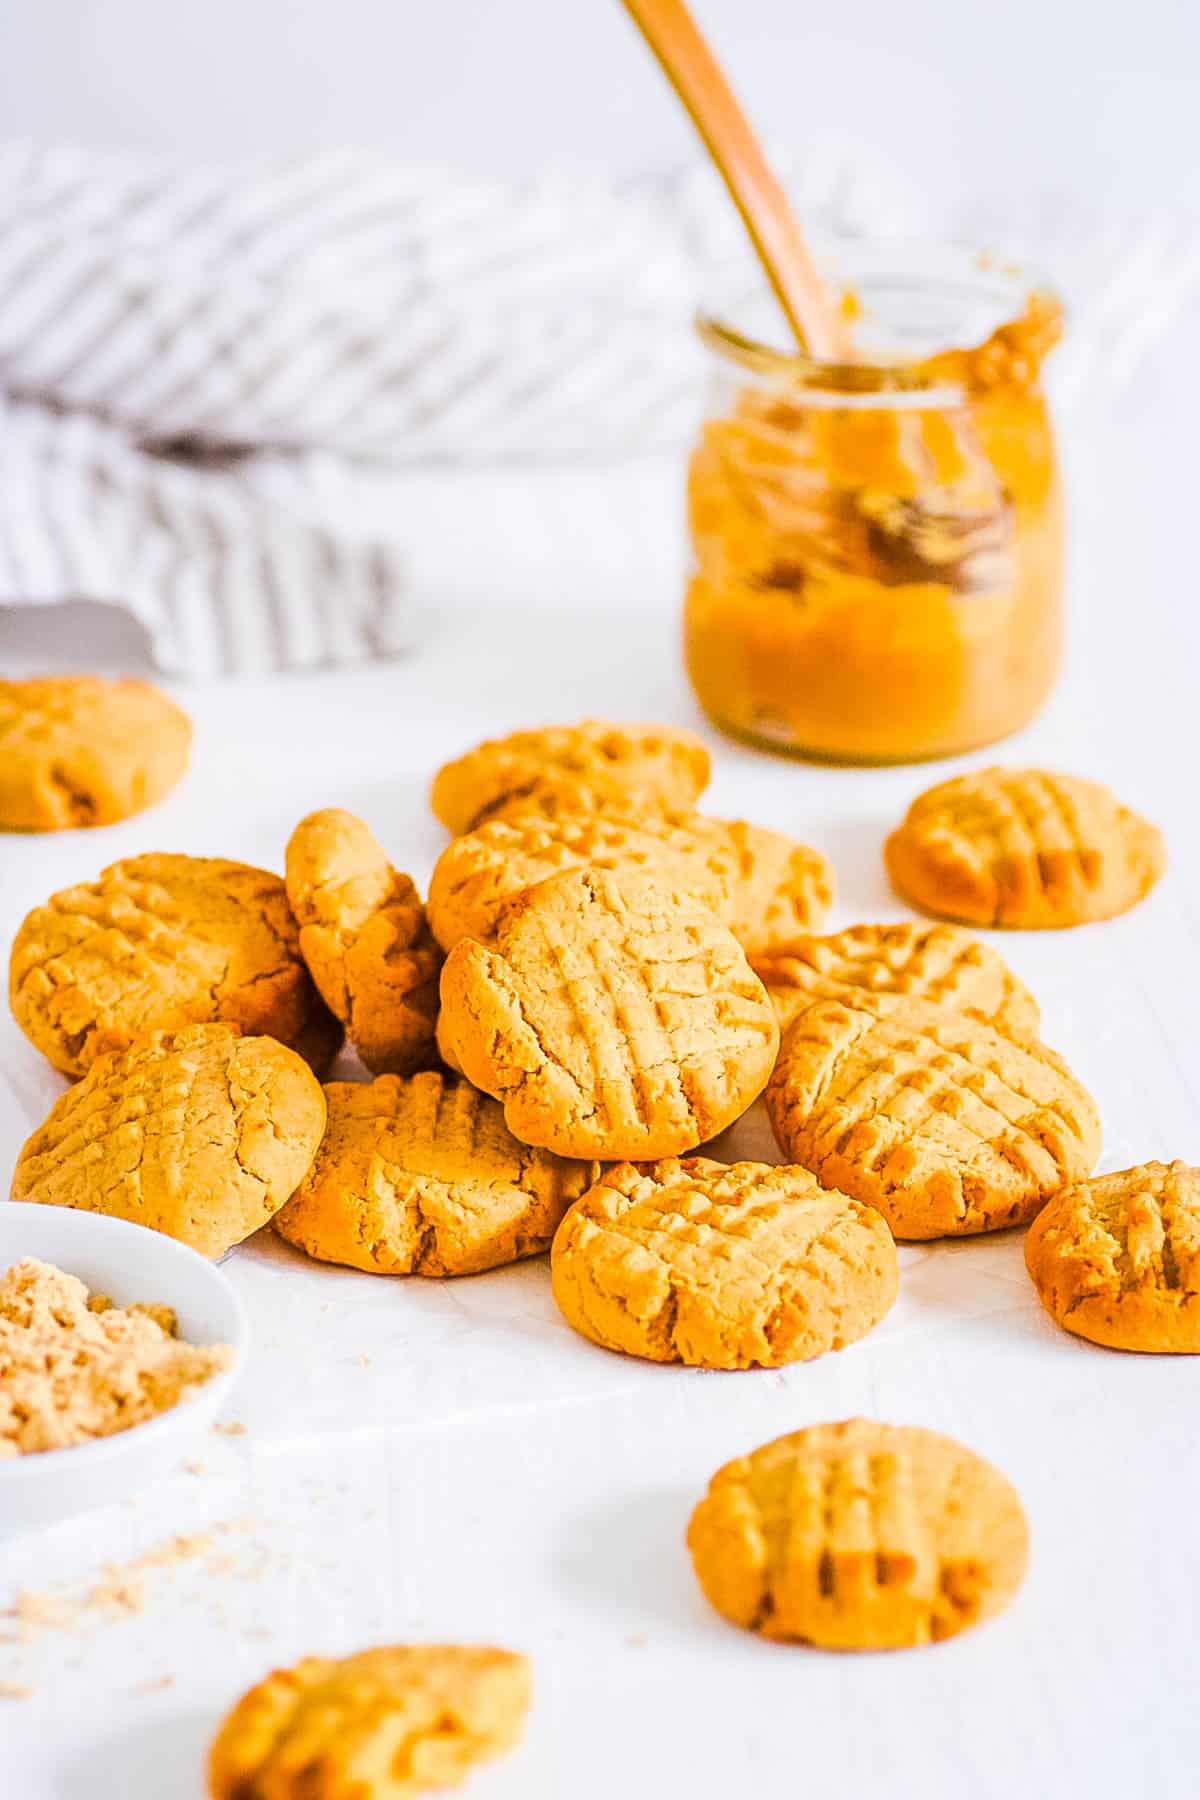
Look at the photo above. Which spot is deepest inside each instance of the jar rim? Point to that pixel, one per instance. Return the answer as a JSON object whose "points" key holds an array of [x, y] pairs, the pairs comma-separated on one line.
{"points": [[924, 374]]}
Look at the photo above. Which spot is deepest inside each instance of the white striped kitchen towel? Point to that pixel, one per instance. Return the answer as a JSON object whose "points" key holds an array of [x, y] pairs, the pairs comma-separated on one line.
{"points": [[194, 359]]}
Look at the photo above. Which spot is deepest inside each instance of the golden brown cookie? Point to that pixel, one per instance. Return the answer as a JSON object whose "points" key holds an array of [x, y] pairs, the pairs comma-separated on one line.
{"points": [[946, 1123], [201, 1134], [364, 937], [724, 1266], [572, 768], [938, 963], [423, 1177], [859, 1536], [1023, 848], [382, 1725], [1117, 1259], [155, 943], [612, 1017], [764, 886], [78, 750]]}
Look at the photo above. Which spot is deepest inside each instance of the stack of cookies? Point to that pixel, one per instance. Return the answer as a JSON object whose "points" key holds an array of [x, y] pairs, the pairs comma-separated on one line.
{"points": [[601, 981]]}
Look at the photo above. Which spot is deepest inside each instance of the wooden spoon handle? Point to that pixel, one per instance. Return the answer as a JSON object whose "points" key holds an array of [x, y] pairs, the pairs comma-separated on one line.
{"points": [[690, 67]]}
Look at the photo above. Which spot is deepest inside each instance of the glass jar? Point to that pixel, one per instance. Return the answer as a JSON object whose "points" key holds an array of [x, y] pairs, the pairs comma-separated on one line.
{"points": [[878, 545]]}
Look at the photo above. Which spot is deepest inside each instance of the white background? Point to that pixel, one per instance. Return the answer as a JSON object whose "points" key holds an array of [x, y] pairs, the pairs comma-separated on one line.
{"points": [[486, 1474]]}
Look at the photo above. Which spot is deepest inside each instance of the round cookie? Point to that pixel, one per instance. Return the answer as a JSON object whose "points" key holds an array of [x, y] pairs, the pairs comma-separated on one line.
{"points": [[201, 1134], [946, 1123], [77, 750], [383, 1725], [764, 886], [155, 943], [364, 937], [423, 1177], [859, 1536], [572, 768], [1117, 1259], [938, 963], [612, 1017], [723, 1266], [1025, 849]]}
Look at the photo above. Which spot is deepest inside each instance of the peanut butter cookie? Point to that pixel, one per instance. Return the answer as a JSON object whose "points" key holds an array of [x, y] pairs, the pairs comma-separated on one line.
{"points": [[1022, 848], [938, 963], [572, 768], [948, 1124], [722, 1266], [612, 1017], [364, 937], [1117, 1259], [382, 1725], [155, 943], [859, 1536], [423, 1177], [77, 750], [764, 886], [201, 1134]]}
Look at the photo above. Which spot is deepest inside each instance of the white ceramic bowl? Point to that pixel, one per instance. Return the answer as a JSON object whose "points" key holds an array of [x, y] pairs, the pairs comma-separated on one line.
{"points": [[129, 1264]]}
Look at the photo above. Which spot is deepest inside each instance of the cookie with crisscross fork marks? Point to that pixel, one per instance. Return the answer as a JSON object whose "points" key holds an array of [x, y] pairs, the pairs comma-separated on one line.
{"points": [[1023, 848], [946, 1123], [365, 939], [859, 1536], [423, 1177], [201, 1134], [77, 750], [724, 1266], [382, 1725], [1117, 1259], [572, 768], [938, 963], [156, 943], [766, 887], [614, 1018]]}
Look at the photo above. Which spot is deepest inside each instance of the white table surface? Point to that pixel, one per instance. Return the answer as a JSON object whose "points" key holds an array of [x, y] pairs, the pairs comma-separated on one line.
{"points": [[447, 1460]]}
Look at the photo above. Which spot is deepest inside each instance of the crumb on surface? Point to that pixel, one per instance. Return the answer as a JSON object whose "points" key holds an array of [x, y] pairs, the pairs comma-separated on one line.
{"points": [[74, 1367]]}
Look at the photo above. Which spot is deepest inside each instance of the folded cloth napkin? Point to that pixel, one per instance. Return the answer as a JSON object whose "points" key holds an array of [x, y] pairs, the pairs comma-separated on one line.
{"points": [[195, 360]]}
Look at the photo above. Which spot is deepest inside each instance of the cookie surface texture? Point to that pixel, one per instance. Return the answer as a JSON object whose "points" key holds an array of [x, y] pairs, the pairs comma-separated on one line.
{"points": [[1023, 848], [201, 1134], [572, 768], [78, 750], [613, 1018], [155, 943], [939, 963], [859, 1536], [423, 1177], [944, 1122], [382, 1725], [364, 936], [764, 886], [1117, 1259], [723, 1266]]}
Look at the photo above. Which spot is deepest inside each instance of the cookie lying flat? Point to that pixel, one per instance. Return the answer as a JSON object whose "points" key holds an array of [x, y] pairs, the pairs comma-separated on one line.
{"points": [[946, 1123], [764, 886], [382, 1725], [1117, 1259], [572, 768], [155, 943], [423, 1177], [613, 1018], [201, 1134], [1023, 848], [859, 1536], [76, 750], [721, 1266], [364, 937], [938, 963]]}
